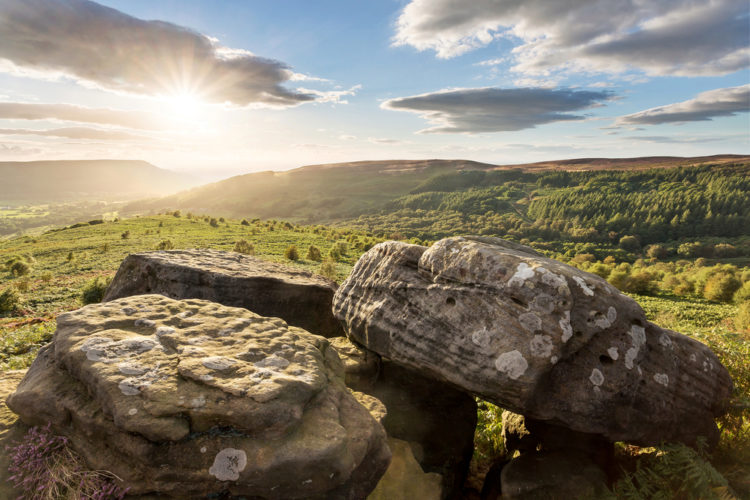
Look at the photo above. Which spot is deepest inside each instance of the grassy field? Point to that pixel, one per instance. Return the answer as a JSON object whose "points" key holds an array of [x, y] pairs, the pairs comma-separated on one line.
{"points": [[62, 262]]}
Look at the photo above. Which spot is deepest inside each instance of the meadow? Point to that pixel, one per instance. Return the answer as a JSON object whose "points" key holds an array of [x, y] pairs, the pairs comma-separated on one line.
{"points": [[60, 264]]}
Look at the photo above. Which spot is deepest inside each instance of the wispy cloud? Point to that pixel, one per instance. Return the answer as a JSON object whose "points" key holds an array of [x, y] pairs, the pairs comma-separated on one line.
{"points": [[103, 47], [496, 109], [666, 37], [73, 113], [705, 106], [86, 133]]}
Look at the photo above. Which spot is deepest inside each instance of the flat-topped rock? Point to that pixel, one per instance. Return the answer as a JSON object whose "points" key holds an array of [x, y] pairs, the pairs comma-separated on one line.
{"points": [[533, 335], [188, 398], [298, 297]]}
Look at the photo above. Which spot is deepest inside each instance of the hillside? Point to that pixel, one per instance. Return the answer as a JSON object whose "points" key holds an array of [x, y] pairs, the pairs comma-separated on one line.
{"points": [[46, 182], [341, 191]]}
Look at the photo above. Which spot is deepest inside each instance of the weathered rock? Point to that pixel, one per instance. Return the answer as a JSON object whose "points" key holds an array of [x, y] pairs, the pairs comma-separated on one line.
{"points": [[298, 297], [554, 475], [405, 479], [187, 398], [437, 420], [535, 336], [11, 430]]}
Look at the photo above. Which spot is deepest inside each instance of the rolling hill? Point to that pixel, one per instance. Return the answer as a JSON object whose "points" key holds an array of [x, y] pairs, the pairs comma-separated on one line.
{"points": [[85, 180]]}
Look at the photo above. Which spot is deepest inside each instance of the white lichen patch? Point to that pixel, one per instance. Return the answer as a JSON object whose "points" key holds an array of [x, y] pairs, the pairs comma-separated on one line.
{"points": [[273, 361], [638, 337], [530, 321], [107, 350], [693, 358], [543, 303], [554, 280], [185, 314], [565, 326], [553, 359], [132, 411], [613, 353], [599, 319], [541, 346], [228, 464], [587, 290], [218, 363], [523, 272], [611, 315], [661, 378], [198, 402], [481, 338], [130, 387], [665, 340], [164, 330], [203, 449], [597, 377], [147, 323], [512, 363], [206, 377], [131, 368]]}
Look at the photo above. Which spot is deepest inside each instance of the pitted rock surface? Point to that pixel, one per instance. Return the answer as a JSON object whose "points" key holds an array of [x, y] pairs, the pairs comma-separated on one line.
{"points": [[188, 398], [535, 336], [298, 297]]}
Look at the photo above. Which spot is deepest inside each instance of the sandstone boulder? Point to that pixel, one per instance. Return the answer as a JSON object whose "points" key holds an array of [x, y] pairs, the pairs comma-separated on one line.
{"points": [[189, 398], [535, 336], [437, 420], [298, 297]]}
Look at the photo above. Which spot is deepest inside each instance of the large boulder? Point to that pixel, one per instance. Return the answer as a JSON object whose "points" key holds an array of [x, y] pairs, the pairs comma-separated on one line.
{"points": [[535, 336], [189, 398], [437, 420], [298, 297]]}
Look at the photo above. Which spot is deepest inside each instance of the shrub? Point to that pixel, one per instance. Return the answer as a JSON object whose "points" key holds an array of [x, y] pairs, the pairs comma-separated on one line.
{"points": [[22, 285], [105, 248], [125, 235], [334, 254], [742, 320], [328, 269], [165, 245], [618, 279], [743, 293], [176, 213], [244, 222], [9, 300], [20, 268], [313, 254], [94, 291], [70, 257], [641, 282], [694, 249], [46, 276], [724, 250], [291, 252], [657, 252], [630, 243], [244, 246], [600, 270], [721, 287], [44, 467], [213, 223]]}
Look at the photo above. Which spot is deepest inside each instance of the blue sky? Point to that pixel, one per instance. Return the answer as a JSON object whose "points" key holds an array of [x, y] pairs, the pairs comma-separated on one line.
{"points": [[236, 86]]}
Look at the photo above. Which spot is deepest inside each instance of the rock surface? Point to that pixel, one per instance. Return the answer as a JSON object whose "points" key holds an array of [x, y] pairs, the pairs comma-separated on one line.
{"points": [[11, 430], [436, 420], [535, 336], [298, 297], [555, 475], [188, 398]]}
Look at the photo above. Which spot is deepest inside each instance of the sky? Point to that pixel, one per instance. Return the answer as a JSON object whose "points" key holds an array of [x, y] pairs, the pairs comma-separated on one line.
{"points": [[216, 89]]}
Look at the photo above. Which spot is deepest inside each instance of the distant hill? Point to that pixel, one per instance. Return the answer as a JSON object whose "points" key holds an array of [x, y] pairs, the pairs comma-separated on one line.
{"points": [[339, 191], [85, 180]]}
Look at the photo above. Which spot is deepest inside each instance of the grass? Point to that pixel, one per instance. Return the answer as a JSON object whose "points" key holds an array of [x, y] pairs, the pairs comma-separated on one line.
{"points": [[64, 262]]}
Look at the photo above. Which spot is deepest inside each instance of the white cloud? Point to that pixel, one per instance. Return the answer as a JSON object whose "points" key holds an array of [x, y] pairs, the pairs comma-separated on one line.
{"points": [[495, 109], [332, 96], [73, 113], [102, 47], [665, 37], [93, 134], [705, 106]]}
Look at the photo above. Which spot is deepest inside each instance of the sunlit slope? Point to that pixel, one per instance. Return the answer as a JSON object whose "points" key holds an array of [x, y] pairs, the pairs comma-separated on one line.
{"points": [[85, 180]]}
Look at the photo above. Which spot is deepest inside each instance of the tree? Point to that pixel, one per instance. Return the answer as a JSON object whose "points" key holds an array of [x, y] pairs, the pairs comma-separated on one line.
{"points": [[630, 243], [313, 254]]}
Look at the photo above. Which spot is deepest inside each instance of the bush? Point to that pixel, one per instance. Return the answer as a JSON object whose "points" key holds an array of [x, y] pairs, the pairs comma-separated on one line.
{"points": [[244, 246], [291, 252], [46, 276], [630, 243], [22, 285], [742, 320], [657, 252], [9, 300], [20, 268], [334, 254], [742, 294], [125, 235], [641, 282], [94, 291], [724, 250], [165, 245], [44, 467], [244, 222], [618, 279], [213, 223], [313, 254], [721, 287], [328, 269]]}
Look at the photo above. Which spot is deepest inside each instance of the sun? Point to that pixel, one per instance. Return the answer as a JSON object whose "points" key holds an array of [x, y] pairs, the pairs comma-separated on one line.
{"points": [[185, 105]]}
